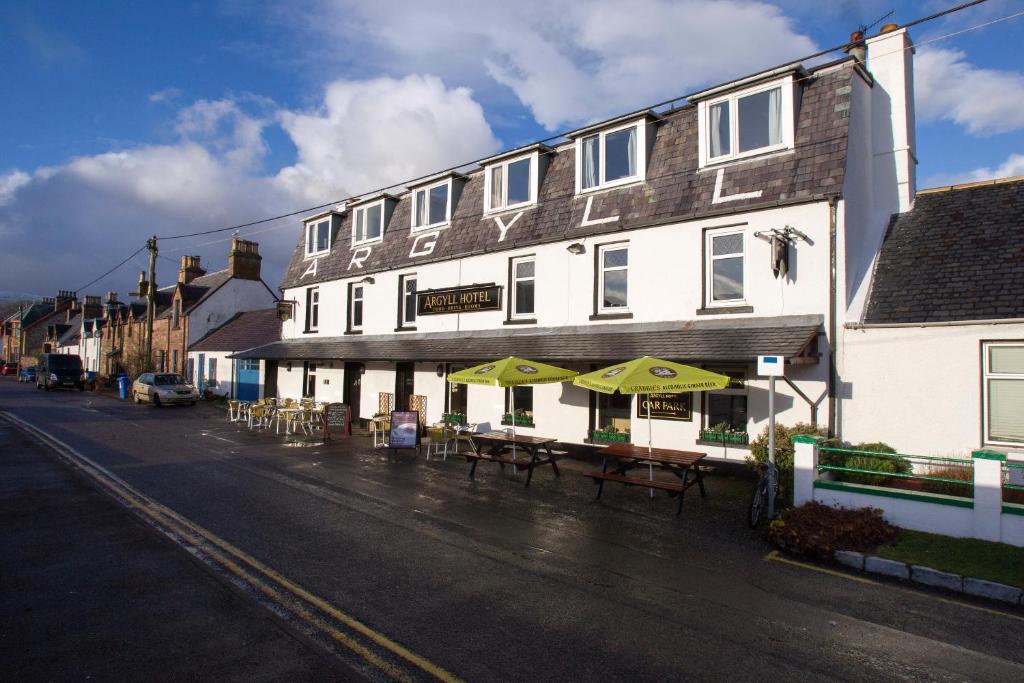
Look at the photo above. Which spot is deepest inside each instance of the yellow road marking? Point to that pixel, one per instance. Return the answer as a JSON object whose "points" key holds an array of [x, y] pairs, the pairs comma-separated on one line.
{"points": [[776, 556], [173, 523]]}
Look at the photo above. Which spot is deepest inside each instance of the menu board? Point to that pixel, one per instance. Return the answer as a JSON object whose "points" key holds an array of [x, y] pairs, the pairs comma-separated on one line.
{"points": [[336, 419], [405, 429]]}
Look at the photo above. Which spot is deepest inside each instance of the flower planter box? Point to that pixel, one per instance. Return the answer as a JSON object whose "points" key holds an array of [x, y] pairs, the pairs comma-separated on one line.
{"points": [[453, 418], [518, 421], [610, 437], [725, 437]]}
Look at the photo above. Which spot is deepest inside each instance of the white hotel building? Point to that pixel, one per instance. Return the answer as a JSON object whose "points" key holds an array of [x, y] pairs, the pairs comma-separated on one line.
{"points": [[745, 222]]}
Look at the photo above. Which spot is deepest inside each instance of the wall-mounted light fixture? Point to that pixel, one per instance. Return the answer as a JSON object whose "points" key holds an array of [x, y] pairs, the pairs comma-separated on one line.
{"points": [[367, 280], [440, 369], [289, 366], [576, 248]]}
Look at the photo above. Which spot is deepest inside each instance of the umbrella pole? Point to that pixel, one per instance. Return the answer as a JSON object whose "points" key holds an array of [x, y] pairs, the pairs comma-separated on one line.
{"points": [[512, 402], [650, 428]]}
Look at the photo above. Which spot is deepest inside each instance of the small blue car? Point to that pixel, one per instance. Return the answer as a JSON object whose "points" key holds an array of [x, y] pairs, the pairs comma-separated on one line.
{"points": [[27, 375]]}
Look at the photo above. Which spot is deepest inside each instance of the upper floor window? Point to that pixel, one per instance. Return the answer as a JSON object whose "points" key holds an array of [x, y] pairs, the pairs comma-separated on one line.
{"points": [[613, 277], [355, 307], [523, 287], [724, 267], [611, 157], [511, 182], [1003, 367], [318, 237], [175, 315], [406, 300], [312, 309], [747, 122], [431, 206], [368, 223]]}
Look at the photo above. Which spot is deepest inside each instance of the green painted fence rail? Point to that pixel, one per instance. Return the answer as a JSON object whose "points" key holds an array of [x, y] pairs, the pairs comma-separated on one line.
{"points": [[899, 475], [903, 456]]}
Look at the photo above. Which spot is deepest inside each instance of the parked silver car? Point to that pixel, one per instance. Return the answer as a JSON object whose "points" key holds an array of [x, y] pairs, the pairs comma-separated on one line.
{"points": [[163, 388]]}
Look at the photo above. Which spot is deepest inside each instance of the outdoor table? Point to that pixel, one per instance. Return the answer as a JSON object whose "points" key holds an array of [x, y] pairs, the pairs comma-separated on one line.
{"points": [[679, 463], [289, 414], [490, 445]]}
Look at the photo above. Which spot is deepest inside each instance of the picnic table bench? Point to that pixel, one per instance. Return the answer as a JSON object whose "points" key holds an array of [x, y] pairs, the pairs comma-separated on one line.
{"points": [[679, 463], [491, 446]]}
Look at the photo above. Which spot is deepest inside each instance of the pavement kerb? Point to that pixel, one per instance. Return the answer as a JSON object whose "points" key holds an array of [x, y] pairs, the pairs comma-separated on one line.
{"points": [[927, 576]]}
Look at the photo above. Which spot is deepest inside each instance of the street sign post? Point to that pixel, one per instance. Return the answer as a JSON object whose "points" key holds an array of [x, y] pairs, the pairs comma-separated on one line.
{"points": [[771, 367]]}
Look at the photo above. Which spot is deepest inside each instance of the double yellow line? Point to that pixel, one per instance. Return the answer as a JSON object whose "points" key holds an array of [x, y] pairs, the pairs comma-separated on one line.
{"points": [[310, 609]]}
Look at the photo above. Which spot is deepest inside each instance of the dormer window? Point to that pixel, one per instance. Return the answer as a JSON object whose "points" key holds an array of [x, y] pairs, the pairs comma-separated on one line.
{"points": [[610, 158], [368, 223], [432, 205], [747, 123], [318, 237], [512, 180]]}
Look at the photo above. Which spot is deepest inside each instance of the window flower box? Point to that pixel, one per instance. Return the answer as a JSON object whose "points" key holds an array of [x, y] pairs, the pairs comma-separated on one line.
{"points": [[453, 418], [609, 437], [518, 420], [724, 436]]}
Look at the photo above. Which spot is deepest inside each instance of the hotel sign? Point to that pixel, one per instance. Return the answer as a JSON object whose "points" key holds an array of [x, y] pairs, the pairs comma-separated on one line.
{"points": [[459, 300], [666, 406]]}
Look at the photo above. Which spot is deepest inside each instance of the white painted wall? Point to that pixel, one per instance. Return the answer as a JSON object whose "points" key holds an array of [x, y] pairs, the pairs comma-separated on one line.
{"points": [[917, 388], [235, 296]]}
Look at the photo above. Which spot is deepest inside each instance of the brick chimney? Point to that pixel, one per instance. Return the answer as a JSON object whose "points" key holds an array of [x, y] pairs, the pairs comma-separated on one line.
{"points": [[64, 300], [244, 259], [91, 307], [110, 305], [142, 290], [190, 269]]}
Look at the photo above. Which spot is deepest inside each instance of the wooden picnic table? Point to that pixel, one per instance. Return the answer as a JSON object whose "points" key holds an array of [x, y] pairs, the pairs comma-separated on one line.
{"points": [[679, 463], [490, 446]]}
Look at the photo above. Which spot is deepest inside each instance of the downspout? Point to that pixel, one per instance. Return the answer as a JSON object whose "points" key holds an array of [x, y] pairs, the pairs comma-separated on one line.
{"points": [[832, 293]]}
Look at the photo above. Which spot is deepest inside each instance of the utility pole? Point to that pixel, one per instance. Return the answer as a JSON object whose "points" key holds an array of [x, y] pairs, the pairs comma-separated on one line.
{"points": [[150, 302], [21, 331]]}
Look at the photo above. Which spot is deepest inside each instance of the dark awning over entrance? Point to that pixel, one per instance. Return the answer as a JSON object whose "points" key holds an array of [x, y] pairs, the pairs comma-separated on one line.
{"points": [[709, 341]]}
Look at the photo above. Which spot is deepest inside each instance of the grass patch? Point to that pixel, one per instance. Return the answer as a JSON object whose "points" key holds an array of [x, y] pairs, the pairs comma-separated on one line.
{"points": [[967, 556]]}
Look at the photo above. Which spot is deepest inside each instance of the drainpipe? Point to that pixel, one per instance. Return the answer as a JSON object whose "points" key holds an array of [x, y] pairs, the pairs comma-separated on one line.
{"points": [[832, 293]]}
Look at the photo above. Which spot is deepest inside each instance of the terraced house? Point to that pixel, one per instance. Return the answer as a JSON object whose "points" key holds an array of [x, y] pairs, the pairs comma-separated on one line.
{"points": [[744, 222]]}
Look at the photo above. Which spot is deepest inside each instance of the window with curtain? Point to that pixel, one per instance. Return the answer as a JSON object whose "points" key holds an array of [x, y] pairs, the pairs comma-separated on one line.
{"points": [[1004, 392], [724, 267], [368, 223], [511, 183], [611, 157], [430, 205], [318, 237], [746, 123], [613, 271]]}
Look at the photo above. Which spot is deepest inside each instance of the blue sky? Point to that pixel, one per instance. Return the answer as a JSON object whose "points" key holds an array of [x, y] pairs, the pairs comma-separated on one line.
{"points": [[121, 120]]}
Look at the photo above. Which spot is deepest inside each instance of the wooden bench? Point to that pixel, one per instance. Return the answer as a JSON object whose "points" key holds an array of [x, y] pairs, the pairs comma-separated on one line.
{"points": [[679, 463]]}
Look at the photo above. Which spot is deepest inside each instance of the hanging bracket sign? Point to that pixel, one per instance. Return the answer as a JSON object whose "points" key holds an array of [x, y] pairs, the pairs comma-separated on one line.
{"points": [[459, 300]]}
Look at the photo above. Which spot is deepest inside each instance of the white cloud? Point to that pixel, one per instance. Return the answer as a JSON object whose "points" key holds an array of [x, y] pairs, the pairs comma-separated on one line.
{"points": [[1013, 166], [566, 61], [984, 101], [369, 134], [91, 211], [165, 95]]}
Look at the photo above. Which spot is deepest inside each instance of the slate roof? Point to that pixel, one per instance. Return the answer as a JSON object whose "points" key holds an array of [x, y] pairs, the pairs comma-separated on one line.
{"points": [[711, 340], [193, 293], [243, 331], [674, 190], [74, 334], [957, 255]]}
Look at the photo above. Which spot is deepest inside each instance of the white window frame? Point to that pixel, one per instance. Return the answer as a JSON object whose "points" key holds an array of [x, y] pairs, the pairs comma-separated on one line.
{"points": [[986, 375], [311, 249], [534, 158], [361, 211], [615, 246], [405, 279], [641, 157], [352, 326], [425, 190], [788, 123], [313, 302], [515, 280], [710, 258]]}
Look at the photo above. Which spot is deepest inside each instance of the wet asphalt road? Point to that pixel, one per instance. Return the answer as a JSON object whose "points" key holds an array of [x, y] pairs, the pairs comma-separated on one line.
{"points": [[492, 581]]}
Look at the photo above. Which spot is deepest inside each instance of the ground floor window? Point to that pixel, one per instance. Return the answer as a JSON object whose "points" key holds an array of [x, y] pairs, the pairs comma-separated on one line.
{"points": [[174, 360], [613, 413], [190, 370], [1003, 368], [726, 409], [309, 380], [457, 403], [520, 410], [211, 376]]}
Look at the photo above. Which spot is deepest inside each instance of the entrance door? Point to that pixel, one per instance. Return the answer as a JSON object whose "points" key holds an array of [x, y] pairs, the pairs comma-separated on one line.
{"points": [[404, 384], [353, 388], [456, 393], [309, 380], [248, 380], [200, 376], [270, 380]]}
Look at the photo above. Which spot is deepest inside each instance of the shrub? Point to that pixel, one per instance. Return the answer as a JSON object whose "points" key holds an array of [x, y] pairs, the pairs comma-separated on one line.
{"points": [[817, 531], [881, 464], [783, 453]]}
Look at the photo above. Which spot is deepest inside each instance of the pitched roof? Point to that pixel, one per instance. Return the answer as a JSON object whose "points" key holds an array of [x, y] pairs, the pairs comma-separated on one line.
{"points": [[957, 255], [193, 293], [675, 189], [711, 340], [244, 331]]}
